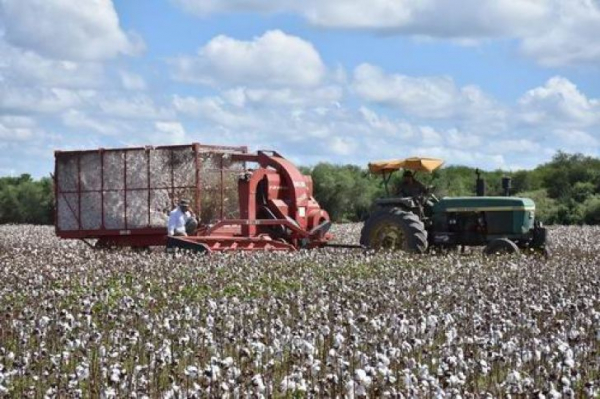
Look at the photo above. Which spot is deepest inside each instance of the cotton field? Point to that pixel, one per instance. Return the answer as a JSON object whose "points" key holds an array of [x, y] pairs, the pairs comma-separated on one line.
{"points": [[326, 323]]}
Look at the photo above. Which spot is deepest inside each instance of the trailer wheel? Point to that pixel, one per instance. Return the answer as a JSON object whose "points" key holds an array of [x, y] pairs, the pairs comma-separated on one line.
{"points": [[104, 243], [501, 246], [394, 229]]}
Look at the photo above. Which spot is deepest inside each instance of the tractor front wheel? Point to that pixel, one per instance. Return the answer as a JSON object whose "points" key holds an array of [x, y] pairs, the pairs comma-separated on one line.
{"points": [[394, 229], [501, 246]]}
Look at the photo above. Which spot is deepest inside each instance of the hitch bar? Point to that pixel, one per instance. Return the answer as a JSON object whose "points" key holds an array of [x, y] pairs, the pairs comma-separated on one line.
{"points": [[348, 246]]}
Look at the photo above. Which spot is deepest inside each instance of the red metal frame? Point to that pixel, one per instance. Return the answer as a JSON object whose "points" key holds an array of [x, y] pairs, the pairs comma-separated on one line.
{"points": [[286, 193], [228, 243], [276, 206]]}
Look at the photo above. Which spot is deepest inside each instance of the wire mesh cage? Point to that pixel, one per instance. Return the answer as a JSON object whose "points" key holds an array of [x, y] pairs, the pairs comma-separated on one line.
{"points": [[107, 191]]}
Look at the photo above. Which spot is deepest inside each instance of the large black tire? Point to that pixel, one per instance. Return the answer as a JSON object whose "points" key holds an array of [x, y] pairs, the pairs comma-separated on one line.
{"points": [[394, 229], [501, 246]]}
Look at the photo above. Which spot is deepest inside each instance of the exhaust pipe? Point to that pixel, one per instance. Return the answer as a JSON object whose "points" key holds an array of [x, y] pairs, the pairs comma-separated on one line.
{"points": [[506, 185], [479, 184]]}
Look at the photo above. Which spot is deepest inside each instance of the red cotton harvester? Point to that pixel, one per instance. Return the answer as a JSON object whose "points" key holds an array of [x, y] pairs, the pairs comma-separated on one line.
{"points": [[122, 197]]}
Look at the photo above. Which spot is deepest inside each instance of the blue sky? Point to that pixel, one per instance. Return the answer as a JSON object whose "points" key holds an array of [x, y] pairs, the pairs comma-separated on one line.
{"points": [[493, 84]]}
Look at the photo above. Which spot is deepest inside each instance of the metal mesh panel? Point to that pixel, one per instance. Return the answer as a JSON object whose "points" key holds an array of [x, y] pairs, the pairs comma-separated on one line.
{"points": [[137, 209], [114, 210], [160, 170], [184, 166], [114, 169], [91, 178], [231, 206], [210, 206], [66, 173], [219, 186], [91, 211], [137, 188], [67, 208], [137, 169], [160, 206]]}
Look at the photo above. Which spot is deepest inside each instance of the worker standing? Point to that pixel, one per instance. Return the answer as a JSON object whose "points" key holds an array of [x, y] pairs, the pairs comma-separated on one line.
{"points": [[181, 220]]}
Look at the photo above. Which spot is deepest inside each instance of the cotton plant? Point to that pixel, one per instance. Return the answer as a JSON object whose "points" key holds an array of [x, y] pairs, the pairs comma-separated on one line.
{"points": [[320, 323]]}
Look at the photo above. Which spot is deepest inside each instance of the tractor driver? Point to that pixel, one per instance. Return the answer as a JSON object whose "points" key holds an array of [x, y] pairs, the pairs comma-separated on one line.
{"points": [[410, 187], [181, 220]]}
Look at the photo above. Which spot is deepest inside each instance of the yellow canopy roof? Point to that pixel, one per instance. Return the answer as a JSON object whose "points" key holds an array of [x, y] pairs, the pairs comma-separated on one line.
{"points": [[416, 164]]}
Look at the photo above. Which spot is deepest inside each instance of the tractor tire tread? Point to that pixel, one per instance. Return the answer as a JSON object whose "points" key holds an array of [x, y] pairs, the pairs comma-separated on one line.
{"points": [[412, 226]]}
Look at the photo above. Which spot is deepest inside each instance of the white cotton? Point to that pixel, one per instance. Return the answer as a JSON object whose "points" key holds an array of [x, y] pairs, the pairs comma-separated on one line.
{"points": [[338, 340], [191, 371]]}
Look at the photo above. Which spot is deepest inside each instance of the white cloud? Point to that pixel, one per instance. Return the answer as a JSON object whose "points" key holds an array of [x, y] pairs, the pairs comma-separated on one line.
{"points": [[425, 97], [342, 145], [432, 18], [170, 131], [79, 120], [67, 30], [205, 7], [283, 97], [217, 111], [517, 145], [456, 156], [427, 17], [569, 34], [275, 58], [11, 132], [433, 97], [553, 32], [458, 139], [27, 68], [132, 81], [338, 132], [133, 107], [384, 125], [558, 103], [429, 136], [576, 140], [14, 121], [38, 100]]}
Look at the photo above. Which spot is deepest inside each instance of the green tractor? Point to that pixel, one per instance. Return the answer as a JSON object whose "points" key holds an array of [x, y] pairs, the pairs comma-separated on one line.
{"points": [[418, 221]]}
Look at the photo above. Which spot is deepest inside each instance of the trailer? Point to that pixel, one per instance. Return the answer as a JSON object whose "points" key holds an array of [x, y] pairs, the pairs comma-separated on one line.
{"points": [[122, 197]]}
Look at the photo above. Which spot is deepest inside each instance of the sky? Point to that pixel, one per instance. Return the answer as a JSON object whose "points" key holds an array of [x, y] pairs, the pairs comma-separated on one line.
{"points": [[485, 83]]}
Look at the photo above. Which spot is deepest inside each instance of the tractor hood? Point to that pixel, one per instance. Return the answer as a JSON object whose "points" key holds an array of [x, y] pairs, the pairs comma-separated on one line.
{"points": [[484, 204], [504, 216]]}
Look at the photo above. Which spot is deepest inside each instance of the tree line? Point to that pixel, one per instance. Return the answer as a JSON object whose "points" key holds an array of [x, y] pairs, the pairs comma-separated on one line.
{"points": [[566, 190], [26, 200]]}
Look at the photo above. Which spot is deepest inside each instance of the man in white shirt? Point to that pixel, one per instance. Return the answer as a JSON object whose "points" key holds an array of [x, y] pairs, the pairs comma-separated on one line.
{"points": [[181, 220]]}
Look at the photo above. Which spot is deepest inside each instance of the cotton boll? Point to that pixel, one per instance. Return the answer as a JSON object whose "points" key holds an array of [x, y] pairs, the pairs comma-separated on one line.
{"points": [[258, 384]]}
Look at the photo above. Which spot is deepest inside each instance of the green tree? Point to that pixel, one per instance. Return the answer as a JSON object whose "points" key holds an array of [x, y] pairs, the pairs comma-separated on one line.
{"points": [[25, 200], [591, 210], [346, 192]]}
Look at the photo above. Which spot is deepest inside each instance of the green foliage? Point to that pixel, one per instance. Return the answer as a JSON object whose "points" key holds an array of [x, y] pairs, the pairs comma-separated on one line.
{"points": [[591, 210], [561, 175], [25, 200], [346, 192], [581, 191]]}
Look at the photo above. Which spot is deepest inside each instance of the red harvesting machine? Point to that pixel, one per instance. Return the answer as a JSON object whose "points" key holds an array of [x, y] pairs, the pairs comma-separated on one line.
{"points": [[122, 197]]}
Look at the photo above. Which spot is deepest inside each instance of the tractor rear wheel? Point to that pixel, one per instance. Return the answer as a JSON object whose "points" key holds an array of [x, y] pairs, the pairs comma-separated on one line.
{"points": [[394, 229], [501, 246]]}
